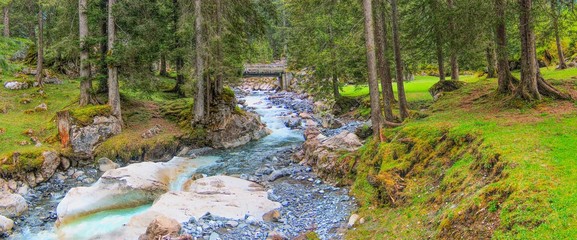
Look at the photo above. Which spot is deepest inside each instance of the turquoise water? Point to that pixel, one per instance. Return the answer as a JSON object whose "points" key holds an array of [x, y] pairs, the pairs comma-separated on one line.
{"points": [[99, 223]]}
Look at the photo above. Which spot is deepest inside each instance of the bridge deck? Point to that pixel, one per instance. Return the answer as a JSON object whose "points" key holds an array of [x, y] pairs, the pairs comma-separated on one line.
{"points": [[264, 69]]}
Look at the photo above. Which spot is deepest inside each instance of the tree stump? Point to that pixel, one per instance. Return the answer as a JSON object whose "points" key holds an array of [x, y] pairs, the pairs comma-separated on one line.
{"points": [[63, 118]]}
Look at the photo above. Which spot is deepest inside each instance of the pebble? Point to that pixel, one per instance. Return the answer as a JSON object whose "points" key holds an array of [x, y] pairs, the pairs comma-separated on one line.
{"points": [[214, 236], [232, 224]]}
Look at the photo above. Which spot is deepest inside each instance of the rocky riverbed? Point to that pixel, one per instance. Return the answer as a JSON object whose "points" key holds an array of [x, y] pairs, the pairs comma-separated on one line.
{"points": [[308, 204]]}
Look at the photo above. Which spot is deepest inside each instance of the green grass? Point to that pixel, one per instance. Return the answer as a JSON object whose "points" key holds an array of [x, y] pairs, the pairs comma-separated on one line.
{"points": [[16, 121], [536, 144], [417, 90]]}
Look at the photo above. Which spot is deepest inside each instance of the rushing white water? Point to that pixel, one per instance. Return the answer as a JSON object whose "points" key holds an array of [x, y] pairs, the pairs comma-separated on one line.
{"points": [[90, 227], [185, 173]]}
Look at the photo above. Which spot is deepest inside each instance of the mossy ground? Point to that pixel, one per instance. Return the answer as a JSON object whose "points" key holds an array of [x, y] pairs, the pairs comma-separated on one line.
{"points": [[481, 165], [19, 122]]}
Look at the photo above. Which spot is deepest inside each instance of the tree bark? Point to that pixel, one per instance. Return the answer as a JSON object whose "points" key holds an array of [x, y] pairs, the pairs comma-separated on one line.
{"points": [[179, 61], [332, 47], [7, 20], [383, 67], [491, 61], [505, 78], [31, 25], [440, 57], [163, 71], [40, 46], [453, 58], [439, 43], [372, 68], [219, 85], [199, 97], [85, 84], [113, 91], [63, 119], [555, 14], [403, 109], [103, 86], [528, 86]]}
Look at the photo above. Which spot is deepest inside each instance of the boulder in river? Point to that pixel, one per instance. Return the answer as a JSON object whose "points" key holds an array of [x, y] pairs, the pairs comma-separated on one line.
{"points": [[222, 196], [131, 186], [161, 227], [6, 224], [236, 130], [105, 164], [323, 152], [12, 205]]}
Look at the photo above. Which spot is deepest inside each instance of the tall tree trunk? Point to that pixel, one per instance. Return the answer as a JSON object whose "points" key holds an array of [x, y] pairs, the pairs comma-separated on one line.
{"points": [[505, 79], [383, 67], [440, 57], [219, 85], [103, 86], [439, 43], [199, 97], [491, 61], [163, 71], [113, 91], [7, 20], [372, 67], [208, 91], [528, 86], [555, 14], [532, 84], [453, 58], [403, 105], [31, 24], [40, 46], [85, 84], [179, 61], [332, 47]]}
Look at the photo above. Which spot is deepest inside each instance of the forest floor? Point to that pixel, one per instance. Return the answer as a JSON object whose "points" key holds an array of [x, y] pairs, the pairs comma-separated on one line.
{"points": [[19, 122], [508, 171]]}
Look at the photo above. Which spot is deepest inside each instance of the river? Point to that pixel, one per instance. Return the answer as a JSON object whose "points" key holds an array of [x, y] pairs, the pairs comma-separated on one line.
{"points": [[308, 203]]}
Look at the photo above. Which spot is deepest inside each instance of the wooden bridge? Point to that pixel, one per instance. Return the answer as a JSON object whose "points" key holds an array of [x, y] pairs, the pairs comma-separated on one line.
{"points": [[277, 70]]}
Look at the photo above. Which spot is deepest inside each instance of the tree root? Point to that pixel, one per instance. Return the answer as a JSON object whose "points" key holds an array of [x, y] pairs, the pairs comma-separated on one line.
{"points": [[547, 90]]}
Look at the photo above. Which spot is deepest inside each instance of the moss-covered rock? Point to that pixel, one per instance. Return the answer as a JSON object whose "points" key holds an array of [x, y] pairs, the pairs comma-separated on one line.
{"points": [[85, 116]]}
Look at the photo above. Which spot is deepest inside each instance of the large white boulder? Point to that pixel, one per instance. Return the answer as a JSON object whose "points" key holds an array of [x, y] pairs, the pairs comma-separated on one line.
{"points": [[222, 196], [130, 186]]}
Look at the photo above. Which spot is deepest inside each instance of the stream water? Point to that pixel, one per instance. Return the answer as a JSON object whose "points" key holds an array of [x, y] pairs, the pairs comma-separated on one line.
{"points": [[307, 202]]}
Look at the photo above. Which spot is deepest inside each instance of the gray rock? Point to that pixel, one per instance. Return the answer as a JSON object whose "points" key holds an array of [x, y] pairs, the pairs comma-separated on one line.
{"points": [[52, 80], [152, 132], [214, 236], [84, 139], [6, 224], [50, 164], [12, 205], [105, 164], [16, 85], [64, 163], [41, 108], [276, 235], [231, 224], [263, 171], [278, 174], [352, 220], [233, 130]]}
